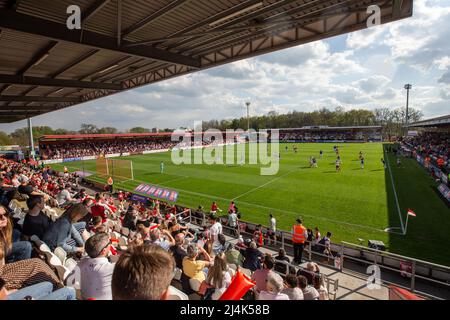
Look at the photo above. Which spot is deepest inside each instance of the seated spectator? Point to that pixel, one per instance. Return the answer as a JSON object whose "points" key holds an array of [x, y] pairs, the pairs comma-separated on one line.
{"points": [[64, 197], [252, 257], [23, 273], [94, 224], [162, 238], [309, 292], [311, 269], [274, 287], [234, 256], [66, 228], [260, 275], [291, 288], [319, 285], [143, 273], [281, 267], [40, 291], [178, 251], [194, 268], [96, 270], [222, 244], [36, 222], [218, 276], [129, 221], [14, 250]]}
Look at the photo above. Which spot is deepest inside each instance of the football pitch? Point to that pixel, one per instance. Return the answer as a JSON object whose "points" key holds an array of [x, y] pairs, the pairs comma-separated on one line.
{"points": [[353, 203]]}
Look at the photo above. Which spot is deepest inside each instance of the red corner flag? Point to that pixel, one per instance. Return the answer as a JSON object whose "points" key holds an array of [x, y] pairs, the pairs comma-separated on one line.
{"points": [[411, 213]]}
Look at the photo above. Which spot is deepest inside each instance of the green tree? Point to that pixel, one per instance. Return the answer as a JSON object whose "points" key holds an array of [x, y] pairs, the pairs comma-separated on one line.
{"points": [[107, 130], [5, 140], [139, 130]]}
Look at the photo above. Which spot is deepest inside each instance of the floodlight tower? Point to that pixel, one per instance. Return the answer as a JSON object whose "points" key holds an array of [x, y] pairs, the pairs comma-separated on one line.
{"points": [[407, 87], [248, 115]]}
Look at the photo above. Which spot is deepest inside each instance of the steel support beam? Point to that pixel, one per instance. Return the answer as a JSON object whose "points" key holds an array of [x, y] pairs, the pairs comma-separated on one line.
{"points": [[40, 27], [11, 98], [154, 17], [49, 82], [27, 108], [92, 10]]}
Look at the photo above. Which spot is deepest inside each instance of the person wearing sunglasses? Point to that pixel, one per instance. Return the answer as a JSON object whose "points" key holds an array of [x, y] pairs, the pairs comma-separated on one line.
{"points": [[96, 270], [23, 273]]}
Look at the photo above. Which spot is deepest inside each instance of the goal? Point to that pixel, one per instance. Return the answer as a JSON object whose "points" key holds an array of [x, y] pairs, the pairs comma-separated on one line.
{"points": [[119, 170]]}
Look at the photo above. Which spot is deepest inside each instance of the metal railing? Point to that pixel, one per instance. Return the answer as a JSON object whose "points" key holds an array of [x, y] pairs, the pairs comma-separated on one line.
{"points": [[424, 278]]}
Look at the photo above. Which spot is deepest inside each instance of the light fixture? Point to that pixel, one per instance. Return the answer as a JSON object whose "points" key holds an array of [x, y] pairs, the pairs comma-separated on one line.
{"points": [[41, 59], [109, 68], [254, 6]]}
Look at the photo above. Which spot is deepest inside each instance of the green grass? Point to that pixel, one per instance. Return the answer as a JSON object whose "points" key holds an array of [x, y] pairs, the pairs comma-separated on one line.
{"points": [[352, 204]]}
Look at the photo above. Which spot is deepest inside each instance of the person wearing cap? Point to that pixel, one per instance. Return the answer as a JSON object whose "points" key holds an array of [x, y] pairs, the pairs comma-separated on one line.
{"points": [[96, 270], [299, 236]]}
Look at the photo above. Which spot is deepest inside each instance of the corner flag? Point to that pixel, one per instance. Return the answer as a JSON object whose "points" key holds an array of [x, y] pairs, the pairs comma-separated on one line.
{"points": [[411, 213]]}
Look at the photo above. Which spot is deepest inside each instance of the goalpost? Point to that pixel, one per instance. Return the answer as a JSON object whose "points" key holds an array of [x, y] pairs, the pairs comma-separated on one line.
{"points": [[119, 170]]}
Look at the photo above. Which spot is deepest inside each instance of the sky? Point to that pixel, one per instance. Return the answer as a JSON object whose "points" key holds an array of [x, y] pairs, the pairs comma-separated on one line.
{"points": [[366, 69]]}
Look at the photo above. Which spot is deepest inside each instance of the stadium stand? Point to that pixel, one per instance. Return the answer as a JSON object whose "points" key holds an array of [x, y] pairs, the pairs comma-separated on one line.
{"points": [[195, 244]]}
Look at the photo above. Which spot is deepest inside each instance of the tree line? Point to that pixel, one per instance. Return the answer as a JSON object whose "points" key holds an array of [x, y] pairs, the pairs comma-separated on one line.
{"points": [[391, 120]]}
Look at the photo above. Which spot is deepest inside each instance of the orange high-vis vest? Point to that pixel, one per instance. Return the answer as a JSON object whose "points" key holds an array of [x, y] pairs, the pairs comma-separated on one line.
{"points": [[110, 181], [299, 234]]}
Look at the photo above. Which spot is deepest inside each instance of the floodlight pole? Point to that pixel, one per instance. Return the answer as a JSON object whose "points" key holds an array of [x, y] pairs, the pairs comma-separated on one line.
{"points": [[407, 87], [30, 134], [248, 115]]}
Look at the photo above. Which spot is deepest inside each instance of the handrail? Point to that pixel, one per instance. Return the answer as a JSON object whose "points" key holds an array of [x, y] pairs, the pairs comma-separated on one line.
{"points": [[390, 254]]}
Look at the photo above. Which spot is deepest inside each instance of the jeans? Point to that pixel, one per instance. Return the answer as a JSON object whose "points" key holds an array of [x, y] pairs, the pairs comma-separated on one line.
{"points": [[21, 250], [43, 291], [16, 235]]}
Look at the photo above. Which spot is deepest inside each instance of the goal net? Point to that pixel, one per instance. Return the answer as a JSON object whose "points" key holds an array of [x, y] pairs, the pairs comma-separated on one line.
{"points": [[119, 170]]}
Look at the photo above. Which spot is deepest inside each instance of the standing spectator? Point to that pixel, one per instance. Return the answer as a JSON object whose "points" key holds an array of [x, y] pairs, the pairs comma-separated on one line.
{"points": [[291, 288], [299, 236], [214, 231], [233, 223], [272, 232], [274, 287], [96, 270], [143, 273], [258, 236]]}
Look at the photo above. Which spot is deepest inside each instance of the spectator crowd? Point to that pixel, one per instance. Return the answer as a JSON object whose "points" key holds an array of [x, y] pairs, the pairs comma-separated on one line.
{"points": [[94, 148], [116, 248], [435, 145]]}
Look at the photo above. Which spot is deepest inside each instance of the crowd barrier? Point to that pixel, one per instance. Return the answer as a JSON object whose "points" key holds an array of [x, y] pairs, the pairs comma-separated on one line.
{"points": [[420, 277]]}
